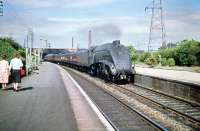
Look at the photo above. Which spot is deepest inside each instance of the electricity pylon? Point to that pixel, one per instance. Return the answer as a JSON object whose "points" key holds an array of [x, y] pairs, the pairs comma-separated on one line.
{"points": [[157, 28]]}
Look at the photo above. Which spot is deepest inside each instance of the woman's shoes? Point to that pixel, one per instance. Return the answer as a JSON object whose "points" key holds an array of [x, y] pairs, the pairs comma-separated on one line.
{"points": [[15, 90]]}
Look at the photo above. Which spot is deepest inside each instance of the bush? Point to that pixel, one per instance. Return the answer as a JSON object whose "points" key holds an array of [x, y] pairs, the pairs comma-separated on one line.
{"points": [[167, 53], [164, 61], [192, 59], [151, 61], [144, 56], [186, 51], [171, 62], [157, 56]]}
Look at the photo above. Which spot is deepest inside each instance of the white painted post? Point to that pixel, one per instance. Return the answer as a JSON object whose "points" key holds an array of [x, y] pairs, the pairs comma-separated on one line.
{"points": [[27, 62], [39, 57], [35, 60]]}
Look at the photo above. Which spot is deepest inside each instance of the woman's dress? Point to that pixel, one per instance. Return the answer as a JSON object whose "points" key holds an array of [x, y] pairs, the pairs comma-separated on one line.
{"points": [[4, 71]]}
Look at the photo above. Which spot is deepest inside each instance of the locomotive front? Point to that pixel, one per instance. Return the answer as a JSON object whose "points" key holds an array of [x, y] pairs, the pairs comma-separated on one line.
{"points": [[122, 61], [114, 61]]}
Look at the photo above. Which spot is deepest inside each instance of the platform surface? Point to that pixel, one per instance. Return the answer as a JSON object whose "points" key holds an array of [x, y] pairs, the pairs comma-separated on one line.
{"points": [[43, 104], [184, 76]]}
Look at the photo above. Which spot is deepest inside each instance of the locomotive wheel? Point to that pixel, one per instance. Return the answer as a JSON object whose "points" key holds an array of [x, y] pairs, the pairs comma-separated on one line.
{"points": [[92, 71], [99, 71], [106, 74], [113, 79], [129, 79]]}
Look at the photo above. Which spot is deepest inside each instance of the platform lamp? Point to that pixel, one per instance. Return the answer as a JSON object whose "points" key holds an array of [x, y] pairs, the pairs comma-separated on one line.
{"points": [[1, 8], [45, 40]]}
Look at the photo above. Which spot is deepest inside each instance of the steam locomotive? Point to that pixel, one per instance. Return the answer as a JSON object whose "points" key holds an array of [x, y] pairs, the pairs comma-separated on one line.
{"points": [[110, 61]]}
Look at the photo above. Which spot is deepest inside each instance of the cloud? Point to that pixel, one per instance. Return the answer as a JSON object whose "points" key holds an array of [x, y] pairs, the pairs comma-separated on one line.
{"points": [[186, 16], [61, 3], [129, 29], [101, 33], [182, 25]]}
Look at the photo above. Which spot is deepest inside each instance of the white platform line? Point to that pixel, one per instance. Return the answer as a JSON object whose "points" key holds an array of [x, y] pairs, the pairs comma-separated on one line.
{"points": [[92, 105]]}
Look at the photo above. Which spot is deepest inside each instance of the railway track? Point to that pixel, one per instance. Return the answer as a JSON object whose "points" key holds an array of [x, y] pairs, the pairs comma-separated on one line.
{"points": [[121, 116], [185, 116], [185, 111]]}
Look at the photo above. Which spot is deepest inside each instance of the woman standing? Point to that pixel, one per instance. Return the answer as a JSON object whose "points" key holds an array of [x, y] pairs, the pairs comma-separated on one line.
{"points": [[4, 72], [15, 65]]}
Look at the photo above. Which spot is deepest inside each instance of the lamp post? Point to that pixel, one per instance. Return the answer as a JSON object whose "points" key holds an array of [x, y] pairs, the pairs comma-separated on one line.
{"points": [[49, 45], [46, 42], [1, 8]]}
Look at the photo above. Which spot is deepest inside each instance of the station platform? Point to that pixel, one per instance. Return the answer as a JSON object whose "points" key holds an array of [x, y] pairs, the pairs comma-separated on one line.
{"points": [[49, 100], [183, 85], [182, 76]]}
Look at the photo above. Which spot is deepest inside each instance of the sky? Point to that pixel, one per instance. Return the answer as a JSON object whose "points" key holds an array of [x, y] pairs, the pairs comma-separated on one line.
{"points": [[126, 20]]}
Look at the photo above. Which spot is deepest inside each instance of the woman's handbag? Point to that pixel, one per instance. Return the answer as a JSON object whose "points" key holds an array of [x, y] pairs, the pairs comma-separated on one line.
{"points": [[22, 72]]}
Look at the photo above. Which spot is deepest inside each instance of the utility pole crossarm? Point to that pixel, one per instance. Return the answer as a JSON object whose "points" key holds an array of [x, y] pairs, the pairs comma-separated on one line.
{"points": [[147, 8]]}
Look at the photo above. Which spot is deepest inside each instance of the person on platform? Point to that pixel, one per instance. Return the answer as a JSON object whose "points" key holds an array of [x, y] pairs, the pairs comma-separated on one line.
{"points": [[15, 65], [4, 72]]}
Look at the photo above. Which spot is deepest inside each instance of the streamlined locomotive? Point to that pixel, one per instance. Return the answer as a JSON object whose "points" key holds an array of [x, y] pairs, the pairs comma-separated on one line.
{"points": [[110, 61]]}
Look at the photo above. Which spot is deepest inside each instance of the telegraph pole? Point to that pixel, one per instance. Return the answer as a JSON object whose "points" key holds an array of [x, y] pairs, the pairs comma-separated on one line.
{"points": [[30, 39], [28, 42], [24, 42], [89, 39], [157, 32], [72, 43], [77, 46], [46, 43], [1, 8], [49, 45]]}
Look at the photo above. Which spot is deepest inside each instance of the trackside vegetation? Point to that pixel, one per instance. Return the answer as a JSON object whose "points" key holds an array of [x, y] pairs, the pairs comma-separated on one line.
{"points": [[8, 47], [186, 53]]}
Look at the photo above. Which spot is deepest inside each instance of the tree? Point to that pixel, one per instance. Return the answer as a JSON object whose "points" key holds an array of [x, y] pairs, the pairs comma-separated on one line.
{"points": [[6, 49], [14, 44], [9, 46], [132, 53], [186, 51]]}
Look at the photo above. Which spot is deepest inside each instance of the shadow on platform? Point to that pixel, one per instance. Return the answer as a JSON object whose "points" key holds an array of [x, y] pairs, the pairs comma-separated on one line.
{"points": [[25, 88], [20, 88]]}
